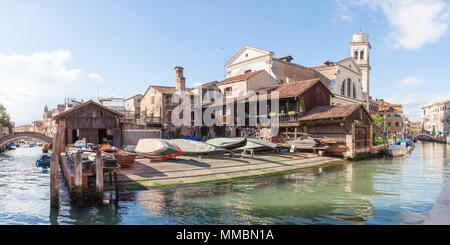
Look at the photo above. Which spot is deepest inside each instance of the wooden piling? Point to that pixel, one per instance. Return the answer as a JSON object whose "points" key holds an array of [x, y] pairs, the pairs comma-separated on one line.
{"points": [[79, 179], [99, 176], [54, 180], [54, 173]]}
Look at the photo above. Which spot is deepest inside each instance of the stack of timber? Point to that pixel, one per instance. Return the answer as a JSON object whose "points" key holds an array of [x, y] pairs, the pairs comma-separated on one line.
{"points": [[307, 142]]}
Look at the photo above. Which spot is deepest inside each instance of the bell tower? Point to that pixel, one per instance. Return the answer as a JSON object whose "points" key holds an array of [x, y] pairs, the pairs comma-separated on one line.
{"points": [[360, 51]]}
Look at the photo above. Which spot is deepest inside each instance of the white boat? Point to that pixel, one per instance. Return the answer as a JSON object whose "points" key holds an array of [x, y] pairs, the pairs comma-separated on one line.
{"points": [[397, 150]]}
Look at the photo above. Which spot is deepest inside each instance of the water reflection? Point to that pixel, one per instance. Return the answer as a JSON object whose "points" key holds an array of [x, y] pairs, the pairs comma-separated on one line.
{"points": [[376, 191]]}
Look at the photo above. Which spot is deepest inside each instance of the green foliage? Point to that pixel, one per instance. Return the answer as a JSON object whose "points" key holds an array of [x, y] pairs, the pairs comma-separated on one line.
{"points": [[378, 121], [5, 118], [302, 104]]}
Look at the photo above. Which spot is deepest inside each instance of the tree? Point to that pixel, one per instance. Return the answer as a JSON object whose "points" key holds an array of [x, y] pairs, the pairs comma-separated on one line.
{"points": [[5, 118], [379, 123]]}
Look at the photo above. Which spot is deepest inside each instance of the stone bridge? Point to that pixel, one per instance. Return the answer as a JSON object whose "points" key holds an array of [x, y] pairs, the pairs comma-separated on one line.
{"points": [[428, 137], [24, 135]]}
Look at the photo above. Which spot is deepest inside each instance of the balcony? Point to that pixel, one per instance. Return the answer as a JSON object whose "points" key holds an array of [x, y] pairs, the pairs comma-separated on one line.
{"points": [[153, 121]]}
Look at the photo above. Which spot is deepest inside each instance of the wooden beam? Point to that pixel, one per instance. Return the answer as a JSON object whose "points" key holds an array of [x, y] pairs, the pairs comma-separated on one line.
{"points": [[54, 171], [79, 179], [54, 180], [99, 176]]}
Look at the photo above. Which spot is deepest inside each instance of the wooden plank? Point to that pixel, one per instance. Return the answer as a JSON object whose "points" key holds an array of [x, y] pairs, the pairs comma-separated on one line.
{"points": [[99, 176], [54, 180], [79, 178]]}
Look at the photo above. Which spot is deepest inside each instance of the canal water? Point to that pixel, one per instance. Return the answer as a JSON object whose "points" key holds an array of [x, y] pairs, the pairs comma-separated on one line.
{"points": [[376, 191]]}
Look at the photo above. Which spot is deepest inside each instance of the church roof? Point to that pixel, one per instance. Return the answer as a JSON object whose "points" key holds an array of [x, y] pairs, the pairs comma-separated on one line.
{"points": [[241, 77]]}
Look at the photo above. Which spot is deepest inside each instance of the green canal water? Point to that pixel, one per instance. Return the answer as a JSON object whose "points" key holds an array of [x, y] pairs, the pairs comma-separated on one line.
{"points": [[376, 191]]}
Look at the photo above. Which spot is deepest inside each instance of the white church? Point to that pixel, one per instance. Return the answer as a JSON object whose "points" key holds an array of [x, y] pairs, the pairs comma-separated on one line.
{"points": [[347, 79]]}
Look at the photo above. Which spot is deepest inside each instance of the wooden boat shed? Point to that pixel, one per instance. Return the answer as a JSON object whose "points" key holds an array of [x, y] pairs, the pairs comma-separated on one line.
{"points": [[91, 121], [347, 128]]}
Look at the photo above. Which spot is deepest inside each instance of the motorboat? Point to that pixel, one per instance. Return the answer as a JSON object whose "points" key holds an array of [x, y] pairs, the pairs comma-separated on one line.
{"points": [[397, 150], [12, 146], [408, 144], [44, 161]]}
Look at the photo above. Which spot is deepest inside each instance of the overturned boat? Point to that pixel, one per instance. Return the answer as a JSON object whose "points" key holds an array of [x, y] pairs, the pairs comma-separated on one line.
{"points": [[197, 148], [157, 149], [227, 143]]}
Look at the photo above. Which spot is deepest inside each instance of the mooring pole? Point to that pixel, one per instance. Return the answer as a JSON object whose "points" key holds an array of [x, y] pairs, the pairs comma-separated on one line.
{"points": [[99, 176], [79, 179], [54, 180], [54, 172]]}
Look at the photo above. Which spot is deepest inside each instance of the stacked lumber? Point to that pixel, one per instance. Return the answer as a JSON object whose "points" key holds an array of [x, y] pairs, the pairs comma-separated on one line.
{"points": [[305, 142]]}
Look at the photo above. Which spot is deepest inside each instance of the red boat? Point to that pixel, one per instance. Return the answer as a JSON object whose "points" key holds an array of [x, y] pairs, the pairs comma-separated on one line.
{"points": [[124, 158]]}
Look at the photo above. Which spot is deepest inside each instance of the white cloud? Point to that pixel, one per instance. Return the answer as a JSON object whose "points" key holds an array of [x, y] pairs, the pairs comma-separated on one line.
{"points": [[412, 103], [29, 82], [96, 77], [414, 23], [411, 81]]}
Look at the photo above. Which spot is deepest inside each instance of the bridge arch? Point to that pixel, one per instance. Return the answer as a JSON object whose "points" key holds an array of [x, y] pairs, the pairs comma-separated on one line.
{"points": [[24, 135]]}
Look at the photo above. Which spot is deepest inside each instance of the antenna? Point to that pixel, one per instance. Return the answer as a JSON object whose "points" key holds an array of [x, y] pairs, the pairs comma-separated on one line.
{"points": [[224, 63], [98, 95]]}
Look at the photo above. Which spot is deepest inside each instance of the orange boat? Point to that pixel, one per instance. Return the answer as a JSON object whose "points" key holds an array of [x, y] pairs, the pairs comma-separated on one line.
{"points": [[124, 158]]}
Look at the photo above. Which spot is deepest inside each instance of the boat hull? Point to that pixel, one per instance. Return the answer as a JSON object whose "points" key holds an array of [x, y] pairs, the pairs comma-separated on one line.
{"points": [[124, 158], [397, 151], [157, 149], [194, 148]]}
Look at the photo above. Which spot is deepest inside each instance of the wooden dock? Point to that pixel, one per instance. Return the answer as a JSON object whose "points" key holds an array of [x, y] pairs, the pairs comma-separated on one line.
{"points": [[145, 174]]}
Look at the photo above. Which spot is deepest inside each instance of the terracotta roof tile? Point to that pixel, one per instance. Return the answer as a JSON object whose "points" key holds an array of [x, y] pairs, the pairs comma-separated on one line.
{"points": [[329, 112], [167, 90], [240, 77], [289, 90], [63, 114]]}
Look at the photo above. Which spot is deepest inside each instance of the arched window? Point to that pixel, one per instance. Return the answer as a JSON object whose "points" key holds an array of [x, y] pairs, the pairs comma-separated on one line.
{"points": [[343, 87], [349, 84], [361, 55], [354, 91]]}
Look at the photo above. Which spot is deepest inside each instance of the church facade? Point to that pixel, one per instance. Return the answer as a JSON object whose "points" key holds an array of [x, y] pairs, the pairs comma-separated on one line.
{"points": [[347, 79]]}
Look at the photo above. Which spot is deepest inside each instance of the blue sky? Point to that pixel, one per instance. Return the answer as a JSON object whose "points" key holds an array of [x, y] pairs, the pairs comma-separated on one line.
{"points": [[50, 50]]}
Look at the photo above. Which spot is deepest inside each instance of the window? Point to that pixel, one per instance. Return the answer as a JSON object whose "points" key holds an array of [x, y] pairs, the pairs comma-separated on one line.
{"points": [[349, 84], [396, 124], [228, 91], [248, 71], [389, 124], [343, 88], [355, 56], [354, 91], [361, 55]]}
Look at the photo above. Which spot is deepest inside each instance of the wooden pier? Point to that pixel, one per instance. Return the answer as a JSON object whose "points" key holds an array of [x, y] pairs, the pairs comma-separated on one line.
{"points": [[145, 174]]}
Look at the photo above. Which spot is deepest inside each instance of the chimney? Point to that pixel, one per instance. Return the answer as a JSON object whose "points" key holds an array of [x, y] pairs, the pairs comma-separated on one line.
{"points": [[180, 81], [286, 58]]}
